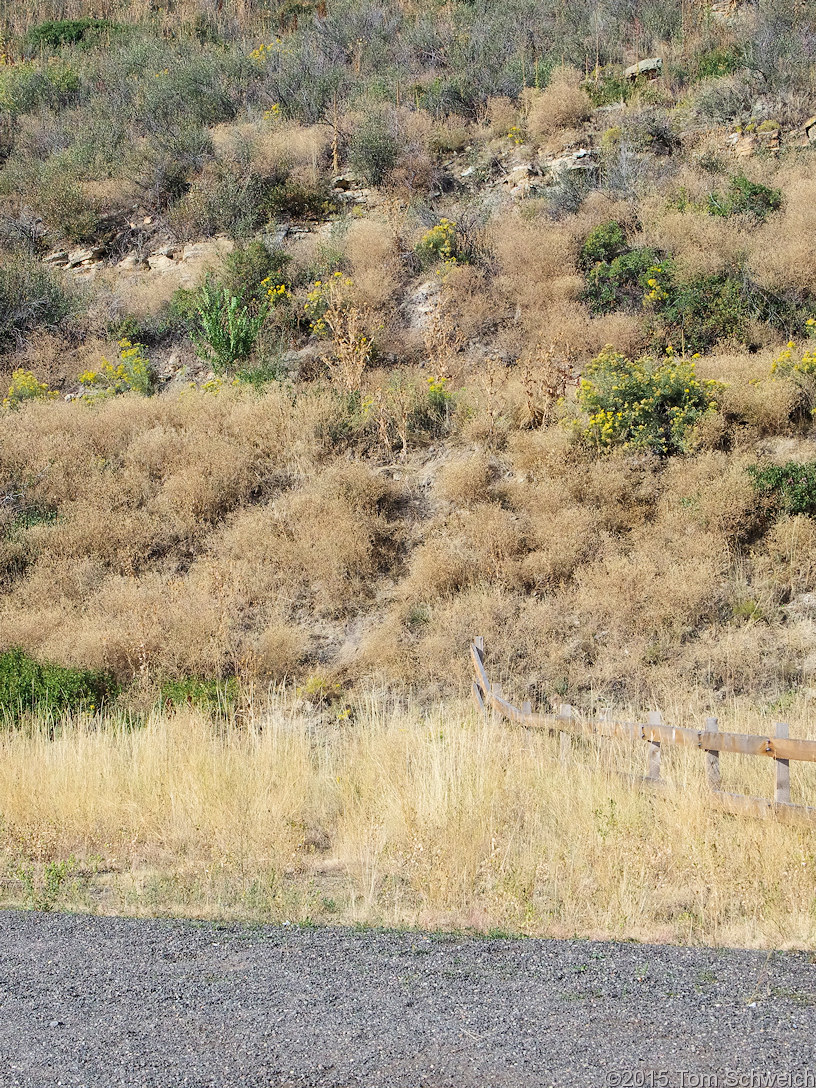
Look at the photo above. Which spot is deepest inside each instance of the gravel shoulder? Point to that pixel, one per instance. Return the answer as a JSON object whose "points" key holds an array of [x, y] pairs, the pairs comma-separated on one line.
{"points": [[98, 1002]]}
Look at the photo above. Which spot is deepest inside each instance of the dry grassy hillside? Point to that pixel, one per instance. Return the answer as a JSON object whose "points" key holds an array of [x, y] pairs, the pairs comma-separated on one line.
{"points": [[333, 333]]}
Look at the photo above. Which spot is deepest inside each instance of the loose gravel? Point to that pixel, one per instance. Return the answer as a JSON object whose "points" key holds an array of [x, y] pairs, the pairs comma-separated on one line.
{"points": [[103, 1002]]}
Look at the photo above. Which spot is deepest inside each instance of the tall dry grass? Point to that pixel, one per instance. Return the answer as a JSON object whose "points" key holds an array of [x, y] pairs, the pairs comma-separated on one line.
{"points": [[397, 818]]}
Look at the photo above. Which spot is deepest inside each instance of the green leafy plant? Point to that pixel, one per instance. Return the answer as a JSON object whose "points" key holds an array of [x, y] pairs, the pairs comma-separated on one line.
{"points": [[696, 312], [790, 488], [603, 244], [623, 281], [647, 404], [28, 685], [43, 894], [58, 32], [744, 197], [708, 309], [218, 696], [228, 328]]}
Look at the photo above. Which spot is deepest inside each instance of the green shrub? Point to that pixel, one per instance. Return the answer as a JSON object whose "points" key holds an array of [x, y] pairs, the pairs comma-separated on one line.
{"points": [[249, 265], [218, 696], [294, 200], [56, 33], [177, 318], [65, 207], [696, 313], [603, 244], [268, 370], [374, 149], [744, 197], [717, 62], [624, 281], [31, 296], [708, 309], [647, 404], [164, 168], [608, 87], [790, 488], [195, 90], [227, 328], [222, 201], [29, 86], [41, 687]]}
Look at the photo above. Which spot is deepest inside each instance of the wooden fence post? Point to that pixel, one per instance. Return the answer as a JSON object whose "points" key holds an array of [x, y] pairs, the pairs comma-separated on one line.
{"points": [[783, 788], [712, 758], [564, 738], [526, 708], [654, 717]]}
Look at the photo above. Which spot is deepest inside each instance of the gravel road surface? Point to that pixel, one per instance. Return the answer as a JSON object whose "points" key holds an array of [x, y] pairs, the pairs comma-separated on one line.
{"points": [[103, 1002]]}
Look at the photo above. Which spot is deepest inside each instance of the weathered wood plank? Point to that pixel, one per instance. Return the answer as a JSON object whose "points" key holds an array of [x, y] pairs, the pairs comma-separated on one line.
{"points": [[478, 665], [780, 748], [713, 758], [762, 808], [783, 783], [476, 693], [710, 740], [653, 749]]}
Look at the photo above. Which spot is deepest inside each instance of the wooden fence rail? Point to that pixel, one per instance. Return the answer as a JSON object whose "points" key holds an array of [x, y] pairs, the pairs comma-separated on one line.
{"points": [[781, 748]]}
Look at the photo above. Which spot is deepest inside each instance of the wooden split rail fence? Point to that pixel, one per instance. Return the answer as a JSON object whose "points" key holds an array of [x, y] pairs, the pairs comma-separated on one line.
{"points": [[781, 748]]}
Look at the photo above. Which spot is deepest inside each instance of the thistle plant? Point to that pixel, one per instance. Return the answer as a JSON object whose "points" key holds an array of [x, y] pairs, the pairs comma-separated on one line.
{"points": [[228, 328]]}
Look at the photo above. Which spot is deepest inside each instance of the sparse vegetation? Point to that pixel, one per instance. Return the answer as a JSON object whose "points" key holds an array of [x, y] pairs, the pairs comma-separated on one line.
{"points": [[505, 341]]}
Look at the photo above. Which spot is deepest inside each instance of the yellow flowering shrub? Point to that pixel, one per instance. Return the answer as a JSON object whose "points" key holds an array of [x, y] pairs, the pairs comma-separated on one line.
{"points": [[656, 291], [785, 366], [264, 51], [275, 292], [24, 386], [325, 295], [131, 374], [439, 243], [646, 403]]}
